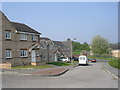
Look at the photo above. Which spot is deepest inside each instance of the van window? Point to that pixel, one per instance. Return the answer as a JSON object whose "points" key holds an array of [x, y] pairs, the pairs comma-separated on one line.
{"points": [[82, 58]]}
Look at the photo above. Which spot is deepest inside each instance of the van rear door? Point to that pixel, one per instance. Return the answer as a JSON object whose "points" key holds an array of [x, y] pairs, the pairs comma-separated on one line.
{"points": [[82, 60]]}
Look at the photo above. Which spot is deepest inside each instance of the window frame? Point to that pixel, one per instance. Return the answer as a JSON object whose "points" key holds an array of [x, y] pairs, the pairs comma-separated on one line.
{"points": [[23, 36], [8, 53], [23, 53], [7, 34], [34, 38]]}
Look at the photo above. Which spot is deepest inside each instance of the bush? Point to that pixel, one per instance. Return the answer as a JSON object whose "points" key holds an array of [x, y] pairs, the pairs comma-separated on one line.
{"points": [[100, 57], [59, 63], [115, 63]]}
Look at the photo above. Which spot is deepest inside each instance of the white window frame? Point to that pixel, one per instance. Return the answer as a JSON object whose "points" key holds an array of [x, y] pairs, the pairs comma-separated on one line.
{"points": [[23, 36], [33, 37], [8, 53], [8, 34], [23, 53]]}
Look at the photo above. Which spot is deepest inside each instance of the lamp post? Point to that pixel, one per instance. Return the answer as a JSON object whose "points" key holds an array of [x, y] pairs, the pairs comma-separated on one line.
{"points": [[71, 49]]}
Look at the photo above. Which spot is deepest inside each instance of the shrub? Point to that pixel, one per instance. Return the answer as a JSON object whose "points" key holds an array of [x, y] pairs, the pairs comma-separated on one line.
{"points": [[115, 62], [59, 63]]}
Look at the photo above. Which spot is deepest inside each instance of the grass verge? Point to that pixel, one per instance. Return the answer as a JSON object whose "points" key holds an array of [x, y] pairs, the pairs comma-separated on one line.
{"points": [[31, 67], [115, 63], [59, 63], [102, 58]]}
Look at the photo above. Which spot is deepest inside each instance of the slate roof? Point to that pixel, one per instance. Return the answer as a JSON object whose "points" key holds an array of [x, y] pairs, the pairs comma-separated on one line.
{"points": [[24, 28], [58, 43], [44, 38]]}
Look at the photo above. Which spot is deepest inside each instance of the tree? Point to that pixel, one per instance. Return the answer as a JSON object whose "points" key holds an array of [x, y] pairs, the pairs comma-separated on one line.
{"points": [[100, 45], [85, 46], [76, 45]]}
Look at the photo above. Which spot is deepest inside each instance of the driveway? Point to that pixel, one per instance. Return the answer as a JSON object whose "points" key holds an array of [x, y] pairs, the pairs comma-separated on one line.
{"points": [[92, 76]]}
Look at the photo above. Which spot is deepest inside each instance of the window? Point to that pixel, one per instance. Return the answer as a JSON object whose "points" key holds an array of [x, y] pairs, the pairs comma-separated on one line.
{"points": [[8, 53], [82, 58], [23, 53], [23, 37], [8, 34], [33, 37]]}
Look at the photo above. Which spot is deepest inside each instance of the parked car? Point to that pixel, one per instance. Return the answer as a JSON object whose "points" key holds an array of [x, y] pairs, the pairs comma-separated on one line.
{"points": [[64, 59], [75, 58], [93, 60]]}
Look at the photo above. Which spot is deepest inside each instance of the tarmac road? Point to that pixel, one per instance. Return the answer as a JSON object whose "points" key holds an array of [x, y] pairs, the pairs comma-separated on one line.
{"points": [[92, 76]]}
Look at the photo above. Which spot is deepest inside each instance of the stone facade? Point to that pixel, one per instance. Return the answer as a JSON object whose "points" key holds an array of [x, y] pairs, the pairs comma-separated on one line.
{"points": [[48, 50], [15, 44], [31, 49], [68, 50], [52, 50]]}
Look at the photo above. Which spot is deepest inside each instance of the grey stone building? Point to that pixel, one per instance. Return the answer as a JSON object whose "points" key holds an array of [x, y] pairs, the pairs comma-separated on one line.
{"points": [[19, 43], [68, 44], [64, 49], [51, 51]]}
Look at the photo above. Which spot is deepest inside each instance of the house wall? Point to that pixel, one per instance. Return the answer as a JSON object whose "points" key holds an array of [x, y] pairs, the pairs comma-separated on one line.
{"points": [[15, 44], [44, 51], [52, 53], [68, 44], [116, 53], [0, 37]]}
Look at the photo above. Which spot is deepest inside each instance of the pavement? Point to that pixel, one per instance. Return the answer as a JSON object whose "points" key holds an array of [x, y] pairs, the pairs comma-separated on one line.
{"points": [[113, 71], [54, 71]]}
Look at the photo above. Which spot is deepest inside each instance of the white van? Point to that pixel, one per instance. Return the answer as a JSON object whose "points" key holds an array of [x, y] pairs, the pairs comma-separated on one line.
{"points": [[83, 60]]}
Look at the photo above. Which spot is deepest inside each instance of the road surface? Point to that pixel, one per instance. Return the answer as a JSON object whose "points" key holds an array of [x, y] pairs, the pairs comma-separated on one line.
{"points": [[92, 76]]}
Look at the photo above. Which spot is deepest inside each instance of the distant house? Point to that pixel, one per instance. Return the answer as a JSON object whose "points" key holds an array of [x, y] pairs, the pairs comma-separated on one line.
{"points": [[64, 49], [115, 50], [52, 50], [68, 44], [19, 43], [49, 51]]}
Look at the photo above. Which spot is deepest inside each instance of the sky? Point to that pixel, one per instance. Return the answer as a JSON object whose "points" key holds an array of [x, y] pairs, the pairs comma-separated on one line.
{"points": [[61, 20]]}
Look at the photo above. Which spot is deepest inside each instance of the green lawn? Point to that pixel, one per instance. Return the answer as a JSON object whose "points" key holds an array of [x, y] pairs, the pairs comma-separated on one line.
{"points": [[31, 67], [115, 63], [59, 63], [76, 53], [102, 58]]}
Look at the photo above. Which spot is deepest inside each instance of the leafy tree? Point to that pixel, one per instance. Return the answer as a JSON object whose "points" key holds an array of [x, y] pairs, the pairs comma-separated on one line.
{"points": [[100, 45], [76, 45], [85, 46]]}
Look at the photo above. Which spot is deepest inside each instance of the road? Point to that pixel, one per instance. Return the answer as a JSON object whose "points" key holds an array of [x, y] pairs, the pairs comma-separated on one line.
{"points": [[92, 76]]}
